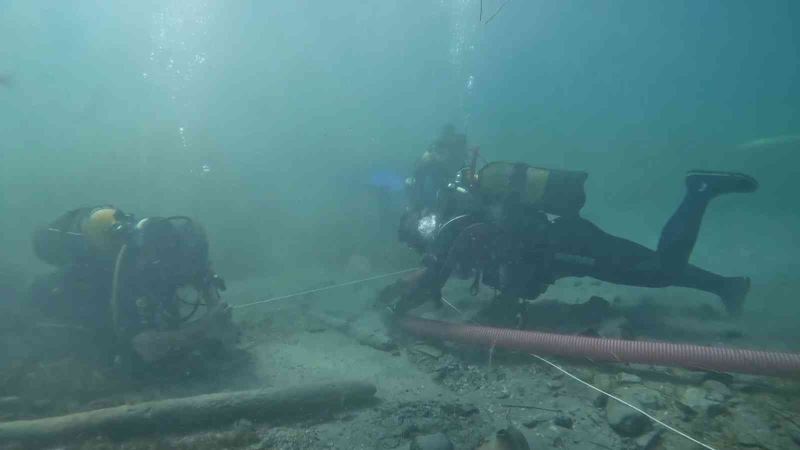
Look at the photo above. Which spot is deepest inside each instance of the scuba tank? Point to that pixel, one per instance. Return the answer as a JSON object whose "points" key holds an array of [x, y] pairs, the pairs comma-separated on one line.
{"points": [[82, 235], [162, 256], [558, 192], [169, 249]]}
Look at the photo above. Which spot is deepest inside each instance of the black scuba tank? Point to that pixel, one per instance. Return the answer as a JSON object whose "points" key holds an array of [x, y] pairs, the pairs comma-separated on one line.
{"points": [[558, 192], [172, 249], [61, 242]]}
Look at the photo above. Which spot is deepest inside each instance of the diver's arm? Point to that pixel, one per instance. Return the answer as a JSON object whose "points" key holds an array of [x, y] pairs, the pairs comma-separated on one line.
{"points": [[414, 290]]}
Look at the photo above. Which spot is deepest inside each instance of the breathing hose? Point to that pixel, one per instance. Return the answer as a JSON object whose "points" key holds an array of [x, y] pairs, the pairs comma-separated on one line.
{"points": [[698, 357], [115, 288]]}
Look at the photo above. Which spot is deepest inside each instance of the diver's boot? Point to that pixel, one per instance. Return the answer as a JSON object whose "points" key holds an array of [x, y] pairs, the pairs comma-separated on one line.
{"points": [[733, 294], [718, 183]]}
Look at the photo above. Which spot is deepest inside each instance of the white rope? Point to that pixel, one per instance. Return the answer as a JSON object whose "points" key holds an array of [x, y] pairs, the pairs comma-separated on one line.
{"points": [[400, 272], [311, 291], [451, 305], [639, 410]]}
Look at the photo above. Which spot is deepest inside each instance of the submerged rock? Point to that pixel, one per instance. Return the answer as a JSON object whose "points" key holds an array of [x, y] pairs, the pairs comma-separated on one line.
{"points": [[537, 420], [243, 425], [564, 421], [600, 401], [717, 391], [708, 404], [367, 329], [753, 429], [603, 381], [617, 328], [750, 383], [648, 441], [426, 350], [627, 378], [606, 383], [289, 439], [506, 439], [595, 310], [438, 441], [796, 437], [625, 420]]}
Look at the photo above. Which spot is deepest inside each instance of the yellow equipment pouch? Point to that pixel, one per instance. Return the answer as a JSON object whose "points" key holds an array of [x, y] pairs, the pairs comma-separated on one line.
{"points": [[559, 192]]}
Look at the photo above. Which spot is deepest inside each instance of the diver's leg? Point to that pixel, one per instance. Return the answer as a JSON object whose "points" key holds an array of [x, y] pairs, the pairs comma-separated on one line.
{"points": [[732, 290], [580, 248], [680, 232]]}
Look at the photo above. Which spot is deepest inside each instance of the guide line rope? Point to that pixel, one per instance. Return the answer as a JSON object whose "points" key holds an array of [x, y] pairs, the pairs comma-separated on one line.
{"points": [[628, 404], [401, 272], [326, 288]]}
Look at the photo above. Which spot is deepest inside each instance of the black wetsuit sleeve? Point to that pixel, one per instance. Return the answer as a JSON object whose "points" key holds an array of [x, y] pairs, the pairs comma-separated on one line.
{"points": [[61, 242]]}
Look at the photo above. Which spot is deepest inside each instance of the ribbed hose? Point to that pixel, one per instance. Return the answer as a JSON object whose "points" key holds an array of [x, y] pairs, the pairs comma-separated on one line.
{"points": [[698, 357], [115, 288]]}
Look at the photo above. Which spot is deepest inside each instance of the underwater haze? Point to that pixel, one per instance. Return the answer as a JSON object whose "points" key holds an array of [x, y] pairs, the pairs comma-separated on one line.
{"points": [[287, 127], [264, 119]]}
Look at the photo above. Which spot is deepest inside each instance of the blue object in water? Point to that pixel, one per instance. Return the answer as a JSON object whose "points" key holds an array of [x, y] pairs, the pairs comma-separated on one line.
{"points": [[387, 180]]}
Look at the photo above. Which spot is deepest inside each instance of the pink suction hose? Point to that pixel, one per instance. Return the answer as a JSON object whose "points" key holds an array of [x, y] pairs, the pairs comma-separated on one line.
{"points": [[698, 357]]}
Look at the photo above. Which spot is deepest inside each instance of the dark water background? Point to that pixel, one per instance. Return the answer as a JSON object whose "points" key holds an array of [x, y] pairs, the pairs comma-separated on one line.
{"points": [[265, 119]]}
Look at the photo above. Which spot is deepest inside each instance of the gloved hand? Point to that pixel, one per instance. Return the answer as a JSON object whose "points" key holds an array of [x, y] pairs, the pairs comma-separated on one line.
{"points": [[408, 293], [389, 294]]}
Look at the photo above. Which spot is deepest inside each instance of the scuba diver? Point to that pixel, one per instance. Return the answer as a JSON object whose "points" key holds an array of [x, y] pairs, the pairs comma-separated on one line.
{"points": [[518, 229], [129, 281], [435, 168], [431, 173]]}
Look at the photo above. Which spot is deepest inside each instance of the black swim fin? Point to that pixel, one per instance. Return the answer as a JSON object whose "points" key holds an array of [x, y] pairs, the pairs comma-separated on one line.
{"points": [[734, 293], [720, 182]]}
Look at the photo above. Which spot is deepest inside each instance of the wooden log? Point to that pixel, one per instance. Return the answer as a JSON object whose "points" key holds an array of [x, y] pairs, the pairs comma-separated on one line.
{"points": [[165, 416]]}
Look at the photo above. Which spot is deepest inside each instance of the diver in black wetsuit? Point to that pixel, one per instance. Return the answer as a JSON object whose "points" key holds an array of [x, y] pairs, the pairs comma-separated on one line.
{"points": [[517, 228], [621, 261]]}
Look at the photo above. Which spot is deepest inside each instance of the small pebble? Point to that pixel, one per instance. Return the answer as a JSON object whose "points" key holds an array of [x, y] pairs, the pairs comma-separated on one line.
{"points": [[536, 420], [719, 388], [532, 423], [628, 378], [243, 425], [648, 441], [438, 441], [564, 421], [600, 401]]}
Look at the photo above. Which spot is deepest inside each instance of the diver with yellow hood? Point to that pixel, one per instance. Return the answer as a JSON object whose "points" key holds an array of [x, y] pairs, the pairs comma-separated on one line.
{"points": [[126, 279], [518, 228]]}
